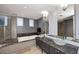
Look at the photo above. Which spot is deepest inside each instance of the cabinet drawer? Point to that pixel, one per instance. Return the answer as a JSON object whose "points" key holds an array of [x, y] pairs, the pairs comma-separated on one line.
{"points": [[44, 46], [59, 52], [55, 51], [52, 50]]}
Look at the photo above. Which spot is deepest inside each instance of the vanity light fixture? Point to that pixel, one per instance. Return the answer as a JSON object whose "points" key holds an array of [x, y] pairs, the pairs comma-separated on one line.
{"points": [[44, 13]]}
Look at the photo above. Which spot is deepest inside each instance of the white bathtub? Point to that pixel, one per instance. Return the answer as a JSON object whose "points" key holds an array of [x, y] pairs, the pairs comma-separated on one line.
{"points": [[20, 39]]}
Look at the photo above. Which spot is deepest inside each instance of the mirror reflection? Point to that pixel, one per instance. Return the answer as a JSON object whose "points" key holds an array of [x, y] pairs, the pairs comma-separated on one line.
{"points": [[65, 22]]}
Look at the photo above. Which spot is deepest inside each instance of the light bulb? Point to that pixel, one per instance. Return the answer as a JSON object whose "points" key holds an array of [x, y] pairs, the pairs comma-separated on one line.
{"points": [[44, 13]]}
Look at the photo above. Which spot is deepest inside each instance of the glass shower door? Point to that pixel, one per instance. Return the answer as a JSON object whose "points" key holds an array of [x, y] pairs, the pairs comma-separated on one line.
{"points": [[2, 29]]}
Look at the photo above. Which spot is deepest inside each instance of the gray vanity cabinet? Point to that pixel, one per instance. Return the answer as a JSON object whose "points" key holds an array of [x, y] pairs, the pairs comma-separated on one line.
{"points": [[47, 48], [44, 46]]}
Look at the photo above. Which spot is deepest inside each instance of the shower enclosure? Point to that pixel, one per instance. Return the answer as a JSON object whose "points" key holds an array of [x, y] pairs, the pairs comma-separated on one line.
{"points": [[4, 29]]}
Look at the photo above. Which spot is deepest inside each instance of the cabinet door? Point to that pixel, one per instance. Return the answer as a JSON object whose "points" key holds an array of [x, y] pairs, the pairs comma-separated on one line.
{"points": [[55, 51], [52, 50], [59, 52], [37, 41], [46, 47]]}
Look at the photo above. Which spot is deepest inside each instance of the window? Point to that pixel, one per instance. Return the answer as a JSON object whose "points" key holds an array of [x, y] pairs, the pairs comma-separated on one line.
{"points": [[31, 23], [19, 21], [6, 21], [3, 21]]}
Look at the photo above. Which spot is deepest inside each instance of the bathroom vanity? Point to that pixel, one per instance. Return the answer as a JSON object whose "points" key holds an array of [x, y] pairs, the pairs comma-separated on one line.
{"points": [[50, 47]]}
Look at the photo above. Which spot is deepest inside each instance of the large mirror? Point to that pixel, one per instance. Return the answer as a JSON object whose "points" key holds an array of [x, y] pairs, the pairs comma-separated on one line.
{"points": [[65, 22]]}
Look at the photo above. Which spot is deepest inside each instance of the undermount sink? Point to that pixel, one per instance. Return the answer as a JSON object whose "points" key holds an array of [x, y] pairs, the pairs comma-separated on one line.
{"points": [[62, 42], [57, 41]]}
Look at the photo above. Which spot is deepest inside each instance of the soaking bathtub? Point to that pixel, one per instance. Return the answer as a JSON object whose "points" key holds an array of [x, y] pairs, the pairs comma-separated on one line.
{"points": [[25, 38]]}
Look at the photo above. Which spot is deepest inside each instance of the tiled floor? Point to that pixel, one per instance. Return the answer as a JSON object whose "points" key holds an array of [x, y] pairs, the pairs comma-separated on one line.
{"points": [[28, 47], [33, 50]]}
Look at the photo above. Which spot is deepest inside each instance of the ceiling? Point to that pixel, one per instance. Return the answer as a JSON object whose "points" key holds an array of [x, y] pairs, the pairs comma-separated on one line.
{"points": [[28, 10], [67, 13]]}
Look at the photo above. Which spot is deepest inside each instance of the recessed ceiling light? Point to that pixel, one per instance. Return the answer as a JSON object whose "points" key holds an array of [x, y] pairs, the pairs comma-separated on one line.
{"points": [[25, 7]]}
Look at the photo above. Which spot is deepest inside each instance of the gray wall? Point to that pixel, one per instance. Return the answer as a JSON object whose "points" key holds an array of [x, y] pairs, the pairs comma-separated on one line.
{"points": [[43, 24], [40, 24], [26, 28]]}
